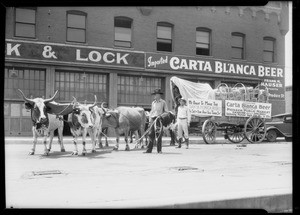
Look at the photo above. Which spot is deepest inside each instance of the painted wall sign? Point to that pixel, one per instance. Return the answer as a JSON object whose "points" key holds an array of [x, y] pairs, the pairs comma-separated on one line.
{"points": [[202, 107], [73, 54], [247, 109], [271, 76]]}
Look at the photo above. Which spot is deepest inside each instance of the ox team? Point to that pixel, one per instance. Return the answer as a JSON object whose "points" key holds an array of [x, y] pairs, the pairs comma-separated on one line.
{"points": [[90, 119]]}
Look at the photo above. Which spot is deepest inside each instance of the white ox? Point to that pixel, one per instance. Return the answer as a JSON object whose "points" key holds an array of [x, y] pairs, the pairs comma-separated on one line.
{"points": [[44, 124], [84, 119]]}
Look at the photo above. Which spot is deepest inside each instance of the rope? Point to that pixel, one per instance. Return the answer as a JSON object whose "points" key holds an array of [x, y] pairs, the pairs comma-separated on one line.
{"points": [[63, 110], [146, 132]]}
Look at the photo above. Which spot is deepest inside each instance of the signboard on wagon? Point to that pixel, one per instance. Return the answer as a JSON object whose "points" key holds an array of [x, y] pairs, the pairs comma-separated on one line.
{"points": [[205, 107], [247, 109]]}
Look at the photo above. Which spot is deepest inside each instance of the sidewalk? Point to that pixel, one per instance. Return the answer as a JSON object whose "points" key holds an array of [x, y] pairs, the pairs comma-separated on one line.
{"points": [[112, 140]]}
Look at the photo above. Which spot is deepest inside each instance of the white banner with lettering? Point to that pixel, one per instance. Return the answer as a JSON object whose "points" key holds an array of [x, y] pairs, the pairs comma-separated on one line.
{"points": [[247, 109], [205, 107]]}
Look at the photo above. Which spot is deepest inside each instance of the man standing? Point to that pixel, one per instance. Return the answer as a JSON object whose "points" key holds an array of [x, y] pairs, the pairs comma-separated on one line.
{"points": [[183, 120], [158, 107]]}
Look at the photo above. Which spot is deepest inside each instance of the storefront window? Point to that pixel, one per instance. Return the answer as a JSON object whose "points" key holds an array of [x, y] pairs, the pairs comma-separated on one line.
{"points": [[76, 26], [83, 86], [25, 22], [164, 37], [136, 90], [123, 31], [237, 45], [30, 81], [203, 41]]}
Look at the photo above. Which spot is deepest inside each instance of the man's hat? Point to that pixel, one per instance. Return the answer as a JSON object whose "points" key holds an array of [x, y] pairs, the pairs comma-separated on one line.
{"points": [[183, 99], [157, 91]]}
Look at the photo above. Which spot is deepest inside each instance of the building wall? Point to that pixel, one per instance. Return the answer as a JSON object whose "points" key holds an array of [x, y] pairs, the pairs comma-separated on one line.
{"points": [[255, 23], [289, 99], [100, 28]]}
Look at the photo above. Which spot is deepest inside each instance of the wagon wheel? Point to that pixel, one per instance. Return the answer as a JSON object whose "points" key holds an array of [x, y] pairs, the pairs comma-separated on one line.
{"points": [[235, 134], [209, 129], [255, 129]]}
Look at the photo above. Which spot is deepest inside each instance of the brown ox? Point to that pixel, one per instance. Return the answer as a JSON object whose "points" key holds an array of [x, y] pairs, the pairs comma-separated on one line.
{"points": [[44, 124], [123, 120]]}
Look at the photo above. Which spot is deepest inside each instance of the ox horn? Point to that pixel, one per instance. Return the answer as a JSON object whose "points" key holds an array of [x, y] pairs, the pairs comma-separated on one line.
{"points": [[103, 108], [74, 102], [95, 103], [24, 97], [52, 98]]}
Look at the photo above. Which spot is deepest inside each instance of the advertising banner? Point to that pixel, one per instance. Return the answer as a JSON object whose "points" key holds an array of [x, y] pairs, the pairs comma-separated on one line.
{"points": [[247, 109], [272, 76], [205, 107], [50, 52]]}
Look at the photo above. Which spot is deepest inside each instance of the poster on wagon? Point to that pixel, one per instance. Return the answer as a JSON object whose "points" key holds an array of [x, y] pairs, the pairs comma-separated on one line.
{"points": [[202, 107], [247, 109]]}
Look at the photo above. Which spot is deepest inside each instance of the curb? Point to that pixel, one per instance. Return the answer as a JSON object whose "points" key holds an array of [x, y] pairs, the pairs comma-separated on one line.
{"points": [[275, 203], [271, 203]]}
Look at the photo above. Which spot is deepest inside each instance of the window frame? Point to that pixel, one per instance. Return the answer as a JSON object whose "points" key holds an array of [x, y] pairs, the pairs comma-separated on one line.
{"points": [[243, 36], [127, 97], [131, 31], [203, 29], [68, 82], [165, 24], [79, 13], [273, 52], [15, 21]]}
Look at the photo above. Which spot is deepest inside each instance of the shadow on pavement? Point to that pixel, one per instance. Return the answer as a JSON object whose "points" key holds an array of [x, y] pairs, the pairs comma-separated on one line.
{"points": [[68, 154]]}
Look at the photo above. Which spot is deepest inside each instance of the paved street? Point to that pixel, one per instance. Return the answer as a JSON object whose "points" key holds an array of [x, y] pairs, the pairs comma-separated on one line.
{"points": [[132, 179]]}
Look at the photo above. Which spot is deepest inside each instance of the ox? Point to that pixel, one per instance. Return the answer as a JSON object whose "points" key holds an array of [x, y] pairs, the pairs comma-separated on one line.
{"points": [[84, 119], [143, 128], [123, 120], [44, 124]]}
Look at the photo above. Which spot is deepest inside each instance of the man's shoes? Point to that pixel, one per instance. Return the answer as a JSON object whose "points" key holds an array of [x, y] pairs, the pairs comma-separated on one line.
{"points": [[146, 152], [179, 143], [172, 144], [159, 152], [187, 143]]}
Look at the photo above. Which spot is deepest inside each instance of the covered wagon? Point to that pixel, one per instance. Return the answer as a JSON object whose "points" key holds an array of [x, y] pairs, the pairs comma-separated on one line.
{"points": [[238, 112]]}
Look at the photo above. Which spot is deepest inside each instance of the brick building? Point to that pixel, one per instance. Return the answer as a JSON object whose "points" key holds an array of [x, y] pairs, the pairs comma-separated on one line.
{"points": [[122, 53]]}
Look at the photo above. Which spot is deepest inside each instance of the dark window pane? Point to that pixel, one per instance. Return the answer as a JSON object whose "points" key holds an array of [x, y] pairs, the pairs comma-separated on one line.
{"points": [[25, 15], [164, 46], [202, 51], [25, 30], [76, 21], [123, 23], [76, 35]]}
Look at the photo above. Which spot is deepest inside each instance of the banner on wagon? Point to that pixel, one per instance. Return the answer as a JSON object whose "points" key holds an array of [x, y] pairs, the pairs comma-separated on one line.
{"points": [[247, 109], [202, 107]]}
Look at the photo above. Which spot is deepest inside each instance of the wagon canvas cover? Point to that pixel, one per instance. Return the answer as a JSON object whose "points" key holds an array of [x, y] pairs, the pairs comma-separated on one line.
{"points": [[190, 89]]}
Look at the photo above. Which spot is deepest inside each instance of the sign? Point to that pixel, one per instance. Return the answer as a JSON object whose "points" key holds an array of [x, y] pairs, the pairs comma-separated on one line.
{"points": [[247, 109], [50, 52], [271, 76], [205, 107], [276, 87]]}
